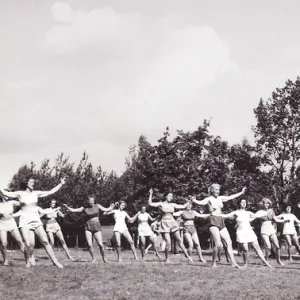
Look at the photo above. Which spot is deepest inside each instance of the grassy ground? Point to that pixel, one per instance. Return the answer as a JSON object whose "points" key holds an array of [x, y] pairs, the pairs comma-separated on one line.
{"points": [[150, 279]]}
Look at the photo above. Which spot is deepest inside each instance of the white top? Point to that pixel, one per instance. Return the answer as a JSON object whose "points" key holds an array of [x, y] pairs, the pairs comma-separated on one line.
{"points": [[214, 204]]}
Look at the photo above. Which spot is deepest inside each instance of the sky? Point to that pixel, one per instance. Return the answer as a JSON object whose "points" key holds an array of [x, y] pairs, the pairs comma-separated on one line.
{"points": [[93, 75]]}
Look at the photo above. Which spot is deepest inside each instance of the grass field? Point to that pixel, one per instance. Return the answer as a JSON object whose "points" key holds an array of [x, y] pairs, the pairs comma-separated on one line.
{"points": [[146, 280]]}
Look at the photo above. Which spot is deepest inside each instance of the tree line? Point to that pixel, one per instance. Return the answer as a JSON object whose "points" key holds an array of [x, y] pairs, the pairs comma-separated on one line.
{"points": [[189, 162]]}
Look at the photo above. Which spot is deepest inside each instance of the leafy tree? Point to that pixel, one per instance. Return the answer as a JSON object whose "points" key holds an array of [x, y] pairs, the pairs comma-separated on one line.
{"points": [[277, 134]]}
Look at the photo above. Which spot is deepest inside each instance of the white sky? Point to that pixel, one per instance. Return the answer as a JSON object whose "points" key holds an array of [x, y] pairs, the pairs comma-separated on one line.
{"points": [[93, 75]]}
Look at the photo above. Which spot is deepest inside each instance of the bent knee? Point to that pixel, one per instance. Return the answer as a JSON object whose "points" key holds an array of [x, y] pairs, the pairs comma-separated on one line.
{"points": [[219, 246], [45, 242]]}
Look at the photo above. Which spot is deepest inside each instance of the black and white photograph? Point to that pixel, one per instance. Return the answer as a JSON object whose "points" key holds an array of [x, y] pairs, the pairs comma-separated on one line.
{"points": [[149, 149]]}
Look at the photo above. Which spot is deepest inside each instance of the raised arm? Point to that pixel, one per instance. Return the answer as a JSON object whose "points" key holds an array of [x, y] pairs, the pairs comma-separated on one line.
{"points": [[182, 206], [229, 216], [152, 219], [14, 203], [17, 214], [296, 220], [177, 214], [203, 216], [74, 210], [231, 197], [10, 195], [109, 212], [60, 213], [253, 216], [200, 202], [157, 204], [42, 194], [111, 207], [46, 211], [279, 219], [131, 220]]}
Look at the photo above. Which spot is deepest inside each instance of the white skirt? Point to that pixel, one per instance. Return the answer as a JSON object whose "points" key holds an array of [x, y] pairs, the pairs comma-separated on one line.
{"points": [[289, 229], [245, 235], [144, 229]]}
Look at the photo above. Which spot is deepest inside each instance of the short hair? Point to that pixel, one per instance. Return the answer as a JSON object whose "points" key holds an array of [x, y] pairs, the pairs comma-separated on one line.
{"points": [[23, 185], [286, 205], [212, 186], [118, 204], [239, 202]]}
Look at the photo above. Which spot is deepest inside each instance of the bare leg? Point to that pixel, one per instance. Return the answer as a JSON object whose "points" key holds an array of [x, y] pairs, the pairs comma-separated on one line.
{"points": [[51, 238], [17, 236], [215, 234], [180, 242], [128, 237], [40, 232], [189, 241], [197, 245], [32, 242], [147, 249], [245, 253], [89, 240], [296, 242], [289, 245], [3, 240], [267, 245], [118, 244], [142, 245], [60, 237], [226, 237], [274, 240], [98, 238], [153, 240], [260, 254], [28, 246], [166, 237]]}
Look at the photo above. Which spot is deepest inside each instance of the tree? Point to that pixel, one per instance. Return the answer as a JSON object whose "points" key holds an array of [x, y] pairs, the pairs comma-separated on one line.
{"points": [[277, 135]]}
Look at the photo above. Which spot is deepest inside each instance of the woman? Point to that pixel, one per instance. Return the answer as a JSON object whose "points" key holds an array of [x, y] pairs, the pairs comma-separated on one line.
{"points": [[30, 223], [8, 224], [267, 230], [289, 231], [168, 224], [53, 228], [145, 231], [92, 225], [244, 232], [217, 228], [120, 228], [189, 230], [155, 227]]}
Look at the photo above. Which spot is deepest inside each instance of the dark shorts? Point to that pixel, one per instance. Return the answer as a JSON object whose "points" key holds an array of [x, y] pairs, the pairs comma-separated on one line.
{"points": [[93, 227], [169, 226], [217, 221], [191, 229]]}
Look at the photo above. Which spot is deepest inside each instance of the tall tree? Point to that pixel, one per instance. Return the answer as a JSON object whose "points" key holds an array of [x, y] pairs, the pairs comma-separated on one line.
{"points": [[277, 135]]}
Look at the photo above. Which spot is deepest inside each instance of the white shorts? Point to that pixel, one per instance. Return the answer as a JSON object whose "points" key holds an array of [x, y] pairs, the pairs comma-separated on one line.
{"points": [[120, 227], [245, 236], [30, 220], [267, 229], [52, 227], [8, 225]]}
